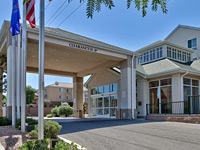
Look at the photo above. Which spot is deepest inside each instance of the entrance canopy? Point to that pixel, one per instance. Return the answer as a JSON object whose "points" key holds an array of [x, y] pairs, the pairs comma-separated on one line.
{"points": [[66, 54]]}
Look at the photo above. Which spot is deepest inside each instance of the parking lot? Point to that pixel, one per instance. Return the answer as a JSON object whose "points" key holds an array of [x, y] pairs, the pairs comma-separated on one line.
{"points": [[132, 134]]}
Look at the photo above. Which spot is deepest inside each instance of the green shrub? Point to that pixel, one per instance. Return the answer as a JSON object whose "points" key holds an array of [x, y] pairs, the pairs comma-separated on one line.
{"points": [[5, 121], [51, 130], [55, 111], [60, 145], [50, 115], [65, 110], [30, 121], [46, 103], [35, 145]]}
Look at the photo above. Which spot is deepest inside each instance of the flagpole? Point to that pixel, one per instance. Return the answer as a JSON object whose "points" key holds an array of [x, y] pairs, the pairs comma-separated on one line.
{"points": [[18, 76], [41, 74], [23, 71], [13, 81]]}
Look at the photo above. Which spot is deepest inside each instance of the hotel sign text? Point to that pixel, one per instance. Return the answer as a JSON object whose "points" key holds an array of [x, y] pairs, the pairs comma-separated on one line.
{"points": [[82, 47]]}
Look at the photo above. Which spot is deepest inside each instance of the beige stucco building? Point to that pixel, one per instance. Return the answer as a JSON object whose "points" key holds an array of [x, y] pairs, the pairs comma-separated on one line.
{"points": [[59, 93], [124, 84]]}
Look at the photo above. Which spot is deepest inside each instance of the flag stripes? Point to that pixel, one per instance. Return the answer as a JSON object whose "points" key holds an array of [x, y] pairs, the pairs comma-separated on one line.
{"points": [[30, 12]]}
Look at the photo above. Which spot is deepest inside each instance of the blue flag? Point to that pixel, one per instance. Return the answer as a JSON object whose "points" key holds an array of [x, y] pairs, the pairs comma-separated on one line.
{"points": [[15, 25]]}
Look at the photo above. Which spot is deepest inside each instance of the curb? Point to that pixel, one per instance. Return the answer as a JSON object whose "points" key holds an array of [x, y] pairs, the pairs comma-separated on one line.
{"points": [[68, 141]]}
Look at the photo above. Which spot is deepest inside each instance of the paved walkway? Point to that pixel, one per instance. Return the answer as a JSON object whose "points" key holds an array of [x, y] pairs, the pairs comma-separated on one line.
{"points": [[132, 135]]}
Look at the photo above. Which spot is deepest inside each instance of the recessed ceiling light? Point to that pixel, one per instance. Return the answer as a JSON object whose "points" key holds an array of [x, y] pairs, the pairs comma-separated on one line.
{"points": [[67, 54], [33, 56], [57, 59]]}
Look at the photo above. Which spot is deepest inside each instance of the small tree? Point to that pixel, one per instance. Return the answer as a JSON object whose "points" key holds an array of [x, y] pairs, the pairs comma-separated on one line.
{"points": [[30, 94], [4, 100]]}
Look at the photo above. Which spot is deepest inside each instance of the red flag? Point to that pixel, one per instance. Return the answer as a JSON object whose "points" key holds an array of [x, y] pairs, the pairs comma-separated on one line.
{"points": [[30, 12]]}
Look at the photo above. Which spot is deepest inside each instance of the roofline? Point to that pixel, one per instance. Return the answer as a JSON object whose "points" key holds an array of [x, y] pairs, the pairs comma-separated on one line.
{"points": [[116, 49], [60, 36], [174, 71], [181, 26], [163, 43]]}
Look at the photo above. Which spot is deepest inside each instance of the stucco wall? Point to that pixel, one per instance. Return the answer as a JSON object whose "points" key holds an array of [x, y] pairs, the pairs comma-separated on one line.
{"points": [[182, 35], [53, 94]]}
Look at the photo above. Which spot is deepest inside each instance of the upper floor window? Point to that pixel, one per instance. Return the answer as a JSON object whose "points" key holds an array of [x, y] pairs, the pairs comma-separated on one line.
{"points": [[68, 90], [141, 60], [184, 56], [188, 57], [60, 89], [173, 53], [179, 55], [146, 57], [159, 52], [152, 54], [192, 43]]}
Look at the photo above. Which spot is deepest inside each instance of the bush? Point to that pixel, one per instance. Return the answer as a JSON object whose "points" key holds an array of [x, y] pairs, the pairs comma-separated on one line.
{"points": [[60, 145], [30, 121], [51, 130], [5, 121], [65, 110], [55, 111], [46, 103], [50, 115], [35, 145]]}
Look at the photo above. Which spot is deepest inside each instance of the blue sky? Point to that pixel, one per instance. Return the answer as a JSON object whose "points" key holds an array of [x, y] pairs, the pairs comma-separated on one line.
{"points": [[120, 27]]}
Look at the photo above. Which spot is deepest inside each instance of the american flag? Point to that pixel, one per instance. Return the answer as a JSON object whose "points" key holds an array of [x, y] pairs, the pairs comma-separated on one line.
{"points": [[30, 12]]}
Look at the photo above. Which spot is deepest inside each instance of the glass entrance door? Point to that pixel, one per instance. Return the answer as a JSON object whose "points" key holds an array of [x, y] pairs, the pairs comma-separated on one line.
{"points": [[104, 106]]}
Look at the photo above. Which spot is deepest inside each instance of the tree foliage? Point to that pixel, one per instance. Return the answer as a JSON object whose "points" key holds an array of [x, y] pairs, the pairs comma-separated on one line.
{"points": [[140, 5], [30, 94]]}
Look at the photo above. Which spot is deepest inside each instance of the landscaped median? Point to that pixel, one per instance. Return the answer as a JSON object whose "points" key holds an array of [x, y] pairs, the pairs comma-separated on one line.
{"points": [[12, 138]]}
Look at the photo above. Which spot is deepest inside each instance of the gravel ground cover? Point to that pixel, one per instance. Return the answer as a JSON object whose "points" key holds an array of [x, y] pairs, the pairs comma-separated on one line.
{"points": [[11, 138]]}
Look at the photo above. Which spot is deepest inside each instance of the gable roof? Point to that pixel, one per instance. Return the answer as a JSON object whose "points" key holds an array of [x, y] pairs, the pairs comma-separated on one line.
{"points": [[182, 26], [61, 85], [165, 67], [160, 43]]}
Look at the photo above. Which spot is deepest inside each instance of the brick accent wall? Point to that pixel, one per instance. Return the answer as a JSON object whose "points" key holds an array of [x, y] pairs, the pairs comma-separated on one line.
{"points": [[176, 118], [33, 111]]}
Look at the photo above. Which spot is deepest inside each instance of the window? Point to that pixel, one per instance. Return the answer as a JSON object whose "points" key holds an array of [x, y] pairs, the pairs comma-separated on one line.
{"points": [[106, 89], [68, 90], [179, 55], [60, 97], [68, 97], [146, 57], [100, 90], [141, 60], [152, 54], [191, 88], [173, 53], [94, 91], [159, 52], [160, 92], [192, 43], [188, 57], [184, 56], [169, 52], [60, 89]]}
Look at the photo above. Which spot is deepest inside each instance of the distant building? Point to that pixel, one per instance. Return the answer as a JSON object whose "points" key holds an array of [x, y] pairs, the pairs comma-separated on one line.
{"points": [[59, 93]]}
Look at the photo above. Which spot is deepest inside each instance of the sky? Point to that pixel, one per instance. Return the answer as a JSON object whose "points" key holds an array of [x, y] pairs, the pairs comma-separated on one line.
{"points": [[121, 27]]}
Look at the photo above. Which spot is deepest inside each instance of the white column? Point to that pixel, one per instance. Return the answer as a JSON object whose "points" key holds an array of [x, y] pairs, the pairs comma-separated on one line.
{"points": [[13, 81], [133, 84], [18, 78], [125, 91]]}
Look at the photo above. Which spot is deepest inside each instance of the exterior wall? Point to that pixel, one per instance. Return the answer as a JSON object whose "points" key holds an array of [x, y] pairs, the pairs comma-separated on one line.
{"points": [[103, 77], [181, 37], [177, 88], [53, 94], [142, 96]]}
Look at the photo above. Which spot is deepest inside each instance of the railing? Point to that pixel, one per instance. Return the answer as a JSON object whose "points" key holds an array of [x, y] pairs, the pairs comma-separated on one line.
{"points": [[190, 106]]}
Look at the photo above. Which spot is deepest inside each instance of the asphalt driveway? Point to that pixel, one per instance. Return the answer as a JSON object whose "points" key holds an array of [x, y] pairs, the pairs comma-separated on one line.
{"points": [[132, 135]]}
